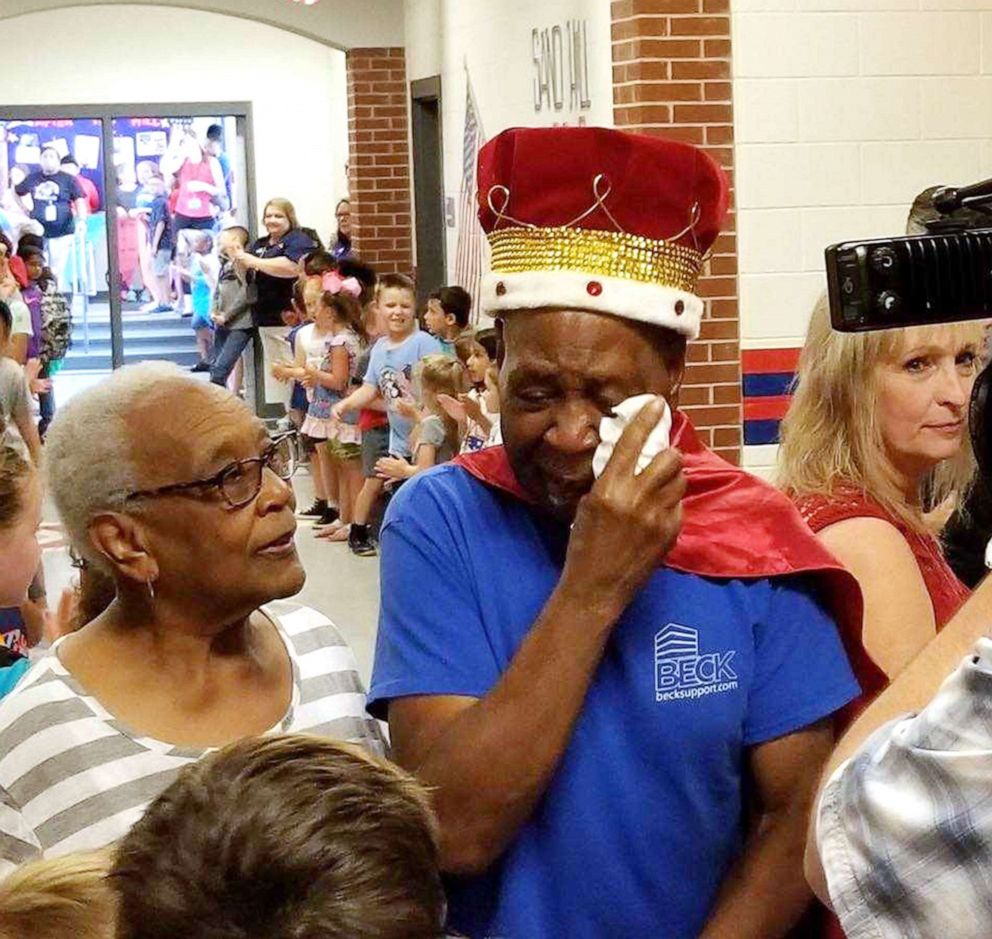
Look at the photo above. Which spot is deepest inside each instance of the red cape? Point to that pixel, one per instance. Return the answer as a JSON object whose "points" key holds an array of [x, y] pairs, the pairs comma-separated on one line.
{"points": [[734, 525]]}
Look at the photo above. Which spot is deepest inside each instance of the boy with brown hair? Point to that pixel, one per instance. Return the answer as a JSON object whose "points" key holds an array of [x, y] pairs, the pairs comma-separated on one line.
{"points": [[278, 837], [390, 375], [447, 315]]}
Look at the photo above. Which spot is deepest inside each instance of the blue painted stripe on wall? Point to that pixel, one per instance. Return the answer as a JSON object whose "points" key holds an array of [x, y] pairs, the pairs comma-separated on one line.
{"points": [[760, 432], [760, 386]]}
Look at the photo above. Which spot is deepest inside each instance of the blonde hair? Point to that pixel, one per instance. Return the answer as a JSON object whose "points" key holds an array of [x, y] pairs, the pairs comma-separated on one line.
{"points": [[286, 207], [58, 897], [831, 438], [443, 375]]}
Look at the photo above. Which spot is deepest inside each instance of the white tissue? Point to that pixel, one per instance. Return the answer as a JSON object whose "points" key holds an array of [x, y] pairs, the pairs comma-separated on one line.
{"points": [[610, 429]]}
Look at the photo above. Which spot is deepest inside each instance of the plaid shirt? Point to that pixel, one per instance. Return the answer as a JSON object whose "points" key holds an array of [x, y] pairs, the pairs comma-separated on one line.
{"points": [[904, 828]]}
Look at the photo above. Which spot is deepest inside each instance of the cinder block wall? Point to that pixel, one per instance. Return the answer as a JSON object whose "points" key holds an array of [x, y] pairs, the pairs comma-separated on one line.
{"points": [[844, 111]]}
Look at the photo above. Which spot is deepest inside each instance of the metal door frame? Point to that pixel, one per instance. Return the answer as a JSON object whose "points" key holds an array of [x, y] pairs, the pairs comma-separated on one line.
{"points": [[424, 90], [106, 113]]}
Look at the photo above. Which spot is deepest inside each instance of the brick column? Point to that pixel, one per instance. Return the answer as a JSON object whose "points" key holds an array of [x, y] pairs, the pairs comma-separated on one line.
{"points": [[671, 78], [379, 158]]}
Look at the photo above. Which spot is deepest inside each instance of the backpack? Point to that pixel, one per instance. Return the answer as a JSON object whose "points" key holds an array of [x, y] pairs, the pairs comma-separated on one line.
{"points": [[56, 326]]}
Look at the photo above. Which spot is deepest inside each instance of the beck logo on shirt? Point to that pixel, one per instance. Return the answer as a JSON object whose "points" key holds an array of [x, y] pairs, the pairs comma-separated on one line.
{"points": [[682, 672]]}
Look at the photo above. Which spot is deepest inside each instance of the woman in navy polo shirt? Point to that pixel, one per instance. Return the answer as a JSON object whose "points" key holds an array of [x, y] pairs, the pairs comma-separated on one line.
{"points": [[274, 260]]}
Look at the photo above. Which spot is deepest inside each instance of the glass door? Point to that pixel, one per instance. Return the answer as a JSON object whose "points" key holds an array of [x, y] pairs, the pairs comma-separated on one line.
{"points": [[178, 181], [127, 209]]}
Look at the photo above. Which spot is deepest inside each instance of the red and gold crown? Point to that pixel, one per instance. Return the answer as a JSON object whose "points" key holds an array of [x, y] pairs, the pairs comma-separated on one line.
{"points": [[598, 219]]}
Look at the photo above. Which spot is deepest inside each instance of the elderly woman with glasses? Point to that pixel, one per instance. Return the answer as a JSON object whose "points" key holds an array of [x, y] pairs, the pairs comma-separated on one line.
{"points": [[175, 490]]}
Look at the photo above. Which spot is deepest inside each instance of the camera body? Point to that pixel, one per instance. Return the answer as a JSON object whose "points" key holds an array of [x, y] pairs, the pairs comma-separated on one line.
{"points": [[911, 280]]}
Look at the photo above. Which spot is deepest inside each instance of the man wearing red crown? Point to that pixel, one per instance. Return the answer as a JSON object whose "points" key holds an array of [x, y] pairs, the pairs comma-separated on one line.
{"points": [[592, 644]]}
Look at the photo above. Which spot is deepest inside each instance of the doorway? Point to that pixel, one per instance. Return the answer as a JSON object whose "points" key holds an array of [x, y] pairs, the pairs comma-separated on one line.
{"points": [[428, 184], [131, 292]]}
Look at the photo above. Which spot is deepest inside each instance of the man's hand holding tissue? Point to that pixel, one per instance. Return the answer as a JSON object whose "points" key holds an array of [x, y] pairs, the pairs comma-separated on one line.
{"points": [[630, 519]]}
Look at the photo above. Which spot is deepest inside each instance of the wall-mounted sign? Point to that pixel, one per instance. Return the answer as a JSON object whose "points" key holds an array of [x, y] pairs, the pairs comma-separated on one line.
{"points": [[561, 67]]}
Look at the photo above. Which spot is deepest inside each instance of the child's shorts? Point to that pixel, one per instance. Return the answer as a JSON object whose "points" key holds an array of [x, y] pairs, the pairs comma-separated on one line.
{"points": [[344, 451], [161, 262], [375, 445], [200, 321]]}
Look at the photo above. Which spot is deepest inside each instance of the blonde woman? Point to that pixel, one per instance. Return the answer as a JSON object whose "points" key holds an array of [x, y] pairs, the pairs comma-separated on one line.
{"points": [[271, 265], [877, 432]]}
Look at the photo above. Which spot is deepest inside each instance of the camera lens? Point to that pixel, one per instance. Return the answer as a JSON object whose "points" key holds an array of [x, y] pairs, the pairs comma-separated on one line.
{"points": [[883, 260]]}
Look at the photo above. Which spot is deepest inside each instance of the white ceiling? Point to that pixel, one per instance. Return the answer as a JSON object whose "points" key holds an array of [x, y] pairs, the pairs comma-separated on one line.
{"points": [[340, 23]]}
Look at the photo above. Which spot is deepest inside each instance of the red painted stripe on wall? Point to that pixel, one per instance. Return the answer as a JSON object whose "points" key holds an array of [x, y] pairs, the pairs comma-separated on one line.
{"points": [[766, 409], [763, 361]]}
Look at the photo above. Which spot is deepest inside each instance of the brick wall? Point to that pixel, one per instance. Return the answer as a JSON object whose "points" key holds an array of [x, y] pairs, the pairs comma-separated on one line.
{"points": [[379, 158], [672, 78]]}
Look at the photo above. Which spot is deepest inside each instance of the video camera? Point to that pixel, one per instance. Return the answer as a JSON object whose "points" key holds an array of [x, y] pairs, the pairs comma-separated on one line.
{"points": [[943, 275]]}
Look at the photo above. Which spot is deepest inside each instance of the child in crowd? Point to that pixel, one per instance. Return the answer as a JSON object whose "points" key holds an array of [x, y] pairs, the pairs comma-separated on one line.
{"points": [[20, 333], [51, 323], [20, 554], [390, 374], [272, 836], [17, 428], [331, 382], [59, 897], [160, 243], [436, 437], [10, 263], [202, 277], [372, 420], [283, 836], [311, 344], [231, 311], [298, 317], [448, 312], [31, 294], [477, 407]]}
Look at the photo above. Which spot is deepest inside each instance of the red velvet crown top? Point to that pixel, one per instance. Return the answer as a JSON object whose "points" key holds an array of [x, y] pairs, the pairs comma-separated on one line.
{"points": [[653, 183]]}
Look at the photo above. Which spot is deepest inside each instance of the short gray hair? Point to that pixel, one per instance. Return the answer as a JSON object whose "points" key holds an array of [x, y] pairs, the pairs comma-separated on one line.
{"points": [[88, 448]]}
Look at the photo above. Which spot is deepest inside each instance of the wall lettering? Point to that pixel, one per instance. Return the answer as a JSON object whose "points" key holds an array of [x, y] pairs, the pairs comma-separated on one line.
{"points": [[553, 50]]}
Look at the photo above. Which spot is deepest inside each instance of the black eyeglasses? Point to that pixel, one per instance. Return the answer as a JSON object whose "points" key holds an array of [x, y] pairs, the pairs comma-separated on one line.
{"points": [[238, 482]]}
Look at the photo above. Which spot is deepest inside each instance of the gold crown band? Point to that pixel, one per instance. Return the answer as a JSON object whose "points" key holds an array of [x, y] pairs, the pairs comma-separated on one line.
{"points": [[607, 254]]}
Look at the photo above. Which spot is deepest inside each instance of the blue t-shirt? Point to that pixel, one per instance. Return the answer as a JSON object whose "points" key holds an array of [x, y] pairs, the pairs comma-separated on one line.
{"points": [[644, 815], [391, 371], [11, 675]]}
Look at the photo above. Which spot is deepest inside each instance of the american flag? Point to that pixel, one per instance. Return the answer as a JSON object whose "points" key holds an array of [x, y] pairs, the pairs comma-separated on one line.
{"points": [[471, 250]]}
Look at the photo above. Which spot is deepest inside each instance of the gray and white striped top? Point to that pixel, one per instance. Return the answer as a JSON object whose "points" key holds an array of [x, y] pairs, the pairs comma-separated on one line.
{"points": [[73, 779]]}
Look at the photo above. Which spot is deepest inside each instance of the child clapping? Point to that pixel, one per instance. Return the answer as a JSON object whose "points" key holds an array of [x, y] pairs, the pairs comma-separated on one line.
{"points": [[437, 436]]}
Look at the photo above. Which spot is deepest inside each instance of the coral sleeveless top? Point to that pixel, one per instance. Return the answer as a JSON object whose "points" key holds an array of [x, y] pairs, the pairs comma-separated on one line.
{"points": [[947, 593]]}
